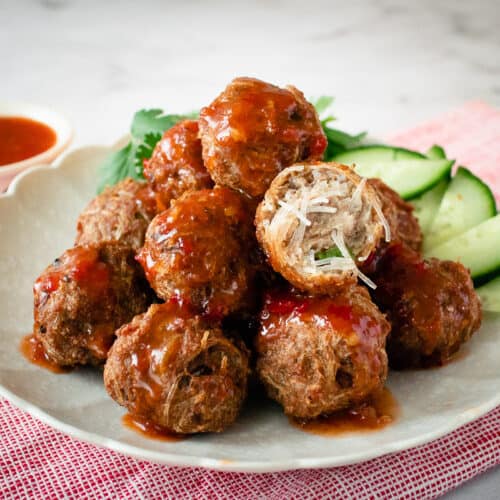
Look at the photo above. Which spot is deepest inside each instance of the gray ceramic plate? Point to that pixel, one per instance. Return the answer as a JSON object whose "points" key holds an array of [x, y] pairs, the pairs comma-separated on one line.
{"points": [[37, 219]]}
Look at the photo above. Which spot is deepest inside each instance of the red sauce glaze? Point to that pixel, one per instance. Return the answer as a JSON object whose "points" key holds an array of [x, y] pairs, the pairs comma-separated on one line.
{"points": [[257, 129], [150, 430], [376, 413], [81, 264], [259, 108], [22, 138], [32, 349], [201, 241], [176, 165], [155, 355], [146, 199], [340, 312]]}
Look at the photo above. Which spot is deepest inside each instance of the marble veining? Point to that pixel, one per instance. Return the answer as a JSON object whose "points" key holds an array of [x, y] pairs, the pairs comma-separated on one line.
{"points": [[389, 63]]}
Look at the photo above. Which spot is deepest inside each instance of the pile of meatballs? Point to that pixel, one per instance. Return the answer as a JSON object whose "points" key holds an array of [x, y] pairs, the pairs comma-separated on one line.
{"points": [[209, 278]]}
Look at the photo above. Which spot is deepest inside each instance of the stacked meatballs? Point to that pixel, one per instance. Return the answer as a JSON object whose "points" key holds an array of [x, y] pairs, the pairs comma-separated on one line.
{"points": [[239, 221]]}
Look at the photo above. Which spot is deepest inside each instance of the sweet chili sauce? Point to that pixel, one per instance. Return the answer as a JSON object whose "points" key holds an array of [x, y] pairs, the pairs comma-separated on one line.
{"points": [[375, 414], [33, 351], [344, 316], [22, 138], [150, 430]]}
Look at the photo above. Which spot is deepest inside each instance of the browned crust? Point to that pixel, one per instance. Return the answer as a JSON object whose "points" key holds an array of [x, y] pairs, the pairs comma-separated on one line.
{"points": [[200, 389], [76, 328], [312, 369], [120, 213]]}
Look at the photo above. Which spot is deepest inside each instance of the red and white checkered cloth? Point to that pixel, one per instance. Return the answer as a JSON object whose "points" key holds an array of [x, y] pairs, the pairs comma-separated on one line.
{"points": [[39, 462]]}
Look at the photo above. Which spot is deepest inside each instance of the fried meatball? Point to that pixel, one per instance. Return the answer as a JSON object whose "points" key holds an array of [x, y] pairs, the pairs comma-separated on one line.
{"points": [[83, 297], [317, 355], [431, 304], [200, 249], [120, 213], [176, 165], [177, 371], [253, 130], [404, 226], [318, 223]]}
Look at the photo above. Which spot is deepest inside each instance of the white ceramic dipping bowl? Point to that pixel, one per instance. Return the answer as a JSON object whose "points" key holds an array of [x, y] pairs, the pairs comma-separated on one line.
{"points": [[55, 121]]}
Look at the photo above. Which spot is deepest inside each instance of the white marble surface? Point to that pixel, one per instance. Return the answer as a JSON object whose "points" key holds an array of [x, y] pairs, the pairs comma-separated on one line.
{"points": [[389, 63]]}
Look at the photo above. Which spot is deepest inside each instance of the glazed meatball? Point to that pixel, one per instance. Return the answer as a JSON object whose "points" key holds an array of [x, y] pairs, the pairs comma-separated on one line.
{"points": [[253, 130], [83, 297], [174, 369], [318, 224], [176, 165], [120, 213], [199, 250], [317, 355], [404, 226], [431, 304]]}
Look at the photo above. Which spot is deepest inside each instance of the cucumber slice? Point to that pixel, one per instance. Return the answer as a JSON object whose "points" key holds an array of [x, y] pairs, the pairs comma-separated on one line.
{"points": [[490, 295], [476, 249], [409, 178], [427, 205], [375, 153], [467, 202], [407, 172], [436, 153]]}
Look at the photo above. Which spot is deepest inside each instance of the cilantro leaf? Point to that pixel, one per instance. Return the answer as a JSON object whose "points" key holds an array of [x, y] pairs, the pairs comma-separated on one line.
{"points": [[147, 121], [338, 141], [146, 130], [116, 167], [322, 103], [145, 150]]}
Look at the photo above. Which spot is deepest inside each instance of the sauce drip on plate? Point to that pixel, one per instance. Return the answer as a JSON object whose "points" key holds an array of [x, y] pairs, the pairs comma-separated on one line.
{"points": [[22, 138], [380, 411], [34, 352], [146, 428]]}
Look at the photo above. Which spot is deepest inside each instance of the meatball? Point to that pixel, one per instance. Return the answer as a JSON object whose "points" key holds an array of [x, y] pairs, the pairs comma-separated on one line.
{"points": [[404, 226], [176, 165], [318, 223], [83, 297], [253, 130], [317, 355], [200, 251], [431, 304], [174, 369], [120, 213]]}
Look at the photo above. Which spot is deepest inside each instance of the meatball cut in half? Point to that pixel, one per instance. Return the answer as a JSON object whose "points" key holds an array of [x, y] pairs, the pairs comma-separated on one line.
{"points": [[120, 213], [318, 223], [200, 251], [83, 297], [317, 355], [176, 165], [431, 305], [177, 371], [253, 130]]}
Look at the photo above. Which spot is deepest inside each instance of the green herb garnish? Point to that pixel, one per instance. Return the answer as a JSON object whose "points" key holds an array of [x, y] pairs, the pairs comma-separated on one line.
{"points": [[338, 141], [146, 130], [326, 254], [148, 126]]}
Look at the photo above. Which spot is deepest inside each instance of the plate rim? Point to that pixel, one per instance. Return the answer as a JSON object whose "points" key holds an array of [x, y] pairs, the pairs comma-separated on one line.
{"points": [[249, 466], [224, 465]]}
